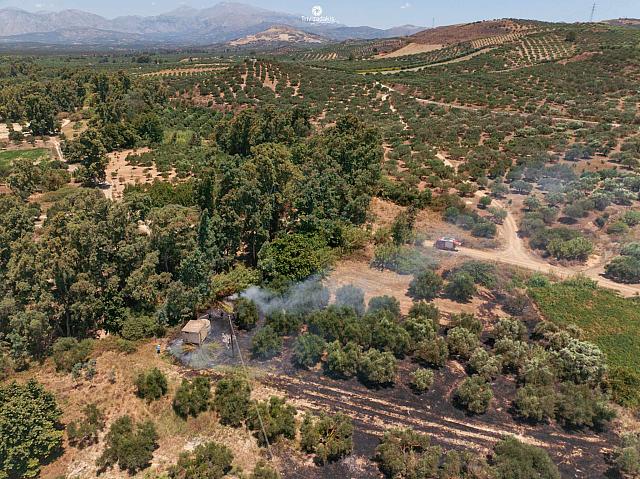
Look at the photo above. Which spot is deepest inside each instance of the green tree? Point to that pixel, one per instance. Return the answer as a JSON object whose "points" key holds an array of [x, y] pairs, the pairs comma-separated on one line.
{"points": [[329, 437], [264, 471], [384, 303], [535, 403], [407, 454], [89, 151], [462, 342], [581, 405], [40, 111], [474, 394], [426, 285], [293, 257], [377, 368], [207, 461], [277, 419], [129, 445], [151, 385], [343, 361], [30, 429], [308, 350], [421, 380], [246, 313], [513, 459], [460, 287], [266, 343], [193, 397], [231, 400], [627, 455], [432, 352]]}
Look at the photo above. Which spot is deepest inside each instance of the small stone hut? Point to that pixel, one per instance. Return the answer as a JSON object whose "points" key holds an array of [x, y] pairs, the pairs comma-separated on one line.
{"points": [[196, 331]]}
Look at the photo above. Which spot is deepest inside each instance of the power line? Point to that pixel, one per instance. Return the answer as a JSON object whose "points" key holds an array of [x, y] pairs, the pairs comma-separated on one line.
{"points": [[246, 371], [593, 10]]}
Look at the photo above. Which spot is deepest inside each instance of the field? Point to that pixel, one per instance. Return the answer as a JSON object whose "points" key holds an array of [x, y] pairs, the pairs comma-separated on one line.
{"points": [[611, 322]]}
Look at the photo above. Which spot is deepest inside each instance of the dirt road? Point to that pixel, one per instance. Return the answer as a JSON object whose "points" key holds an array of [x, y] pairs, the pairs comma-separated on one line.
{"points": [[516, 253]]}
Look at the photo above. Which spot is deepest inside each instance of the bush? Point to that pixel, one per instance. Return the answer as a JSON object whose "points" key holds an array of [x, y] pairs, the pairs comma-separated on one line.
{"points": [[484, 364], [474, 394], [467, 321], [246, 314], [136, 328], [513, 459], [308, 350], [384, 303], [30, 431], [421, 380], [84, 433], [382, 331], [343, 361], [580, 405], [264, 471], [426, 285], [461, 342], [432, 352], [128, 445], [151, 385], [421, 309], [535, 403], [283, 323], [377, 368], [624, 269], [582, 362], [278, 419], [206, 461], [231, 400], [407, 454], [266, 343], [509, 328], [460, 287], [512, 354], [352, 297], [627, 457], [573, 249], [328, 437], [67, 352], [193, 397]]}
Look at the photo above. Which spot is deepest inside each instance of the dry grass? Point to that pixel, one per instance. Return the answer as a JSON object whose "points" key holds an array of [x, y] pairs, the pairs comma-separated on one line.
{"points": [[411, 49]]}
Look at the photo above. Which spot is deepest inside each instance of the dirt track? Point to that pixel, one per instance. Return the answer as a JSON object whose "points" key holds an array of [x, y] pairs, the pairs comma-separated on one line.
{"points": [[516, 253]]}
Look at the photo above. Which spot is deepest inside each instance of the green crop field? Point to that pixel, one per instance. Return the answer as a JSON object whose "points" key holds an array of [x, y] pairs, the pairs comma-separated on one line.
{"points": [[608, 320], [7, 157]]}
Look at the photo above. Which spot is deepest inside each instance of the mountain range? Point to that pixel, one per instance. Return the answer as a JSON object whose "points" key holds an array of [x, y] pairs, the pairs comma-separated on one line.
{"points": [[184, 26]]}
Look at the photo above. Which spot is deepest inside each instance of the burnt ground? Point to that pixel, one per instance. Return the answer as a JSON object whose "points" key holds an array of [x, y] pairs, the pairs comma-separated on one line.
{"points": [[578, 454]]}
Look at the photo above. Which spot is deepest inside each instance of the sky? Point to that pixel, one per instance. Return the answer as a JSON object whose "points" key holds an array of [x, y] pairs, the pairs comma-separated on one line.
{"points": [[375, 13]]}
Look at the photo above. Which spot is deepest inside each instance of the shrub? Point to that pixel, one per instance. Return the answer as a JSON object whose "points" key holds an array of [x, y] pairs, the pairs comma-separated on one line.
{"points": [[383, 332], [461, 342], [384, 303], [573, 249], [136, 328], [421, 380], [421, 309], [30, 431], [231, 400], [85, 432], [328, 437], [513, 459], [151, 385], [246, 314], [484, 364], [266, 343], [193, 397], [580, 405], [484, 229], [264, 471], [278, 419], [474, 394], [535, 403], [352, 297], [432, 352], [67, 352], [582, 362], [343, 361], [377, 367], [460, 287], [206, 461], [128, 445], [467, 321], [308, 350], [426, 285], [283, 323], [407, 454], [624, 269], [509, 328], [419, 329], [627, 456], [512, 354]]}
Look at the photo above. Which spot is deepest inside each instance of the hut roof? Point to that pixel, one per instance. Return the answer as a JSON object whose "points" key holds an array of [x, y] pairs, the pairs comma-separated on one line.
{"points": [[196, 325]]}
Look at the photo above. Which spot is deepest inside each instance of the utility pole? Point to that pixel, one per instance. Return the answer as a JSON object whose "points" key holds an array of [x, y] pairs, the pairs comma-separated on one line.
{"points": [[593, 10]]}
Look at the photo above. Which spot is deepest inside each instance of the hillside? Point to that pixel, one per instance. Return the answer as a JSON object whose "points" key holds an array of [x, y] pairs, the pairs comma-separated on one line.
{"points": [[278, 34], [624, 22], [451, 34]]}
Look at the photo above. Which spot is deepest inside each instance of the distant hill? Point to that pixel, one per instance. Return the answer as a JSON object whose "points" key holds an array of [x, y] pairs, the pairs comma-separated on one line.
{"points": [[624, 22], [278, 35], [469, 31], [220, 23]]}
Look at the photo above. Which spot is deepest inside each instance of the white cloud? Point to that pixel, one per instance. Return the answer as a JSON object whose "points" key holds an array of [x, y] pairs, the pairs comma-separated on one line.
{"points": [[405, 5]]}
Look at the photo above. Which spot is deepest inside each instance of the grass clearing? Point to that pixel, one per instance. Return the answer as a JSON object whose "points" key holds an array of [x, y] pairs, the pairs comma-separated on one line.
{"points": [[9, 156]]}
